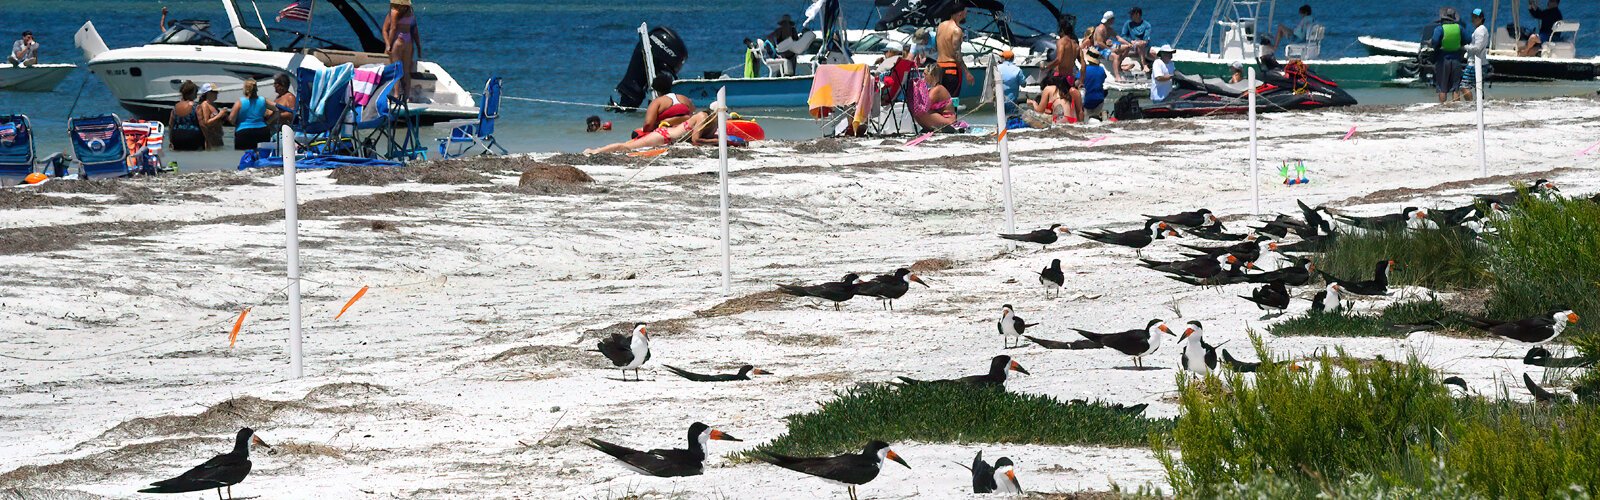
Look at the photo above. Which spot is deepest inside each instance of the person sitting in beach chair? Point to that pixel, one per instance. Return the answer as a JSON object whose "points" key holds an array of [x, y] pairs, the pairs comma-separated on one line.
{"points": [[667, 109], [24, 52], [932, 107], [661, 136]]}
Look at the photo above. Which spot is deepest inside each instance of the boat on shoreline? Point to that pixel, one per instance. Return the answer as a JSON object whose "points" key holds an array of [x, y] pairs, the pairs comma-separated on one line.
{"points": [[1507, 65], [1235, 40], [145, 79], [36, 78]]}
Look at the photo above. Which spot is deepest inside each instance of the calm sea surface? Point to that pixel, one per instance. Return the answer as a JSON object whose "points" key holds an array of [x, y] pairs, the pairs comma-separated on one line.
{"points": [[576, 51]]}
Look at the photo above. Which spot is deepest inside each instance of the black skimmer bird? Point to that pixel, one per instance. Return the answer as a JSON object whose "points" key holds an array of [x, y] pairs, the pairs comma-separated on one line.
{"points": [[1330, 300], [1136, 343], [834, 291], [1460, 215], [1202, 267], [1385, 222], [1539, 356], [627, 352], [999, 366], [1196, 218], [1248, 251], [1314, 220], [1280, 227], [1537, 187], [850, 469], [1313, 244], [1080, 344], [1042, 236], [744, 374], [222, 471], [1297, 274], [1378, 285], [1239, 366], [998, 478], [1012, 327], [1217, 232], [1136, 239], [1272, 297], [1535, 330], [1052, 278], [1540, 394], [1456, 381], [887, 287], [676, 462], [1198, 356]]}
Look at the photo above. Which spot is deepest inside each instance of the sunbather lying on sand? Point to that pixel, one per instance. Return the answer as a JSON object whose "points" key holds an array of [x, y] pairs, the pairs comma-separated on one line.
{"points": [[663, 136]]}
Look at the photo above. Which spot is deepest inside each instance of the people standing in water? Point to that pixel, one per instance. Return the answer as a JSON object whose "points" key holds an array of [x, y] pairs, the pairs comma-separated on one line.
{"points": [[1477, 51], [952, 69], [249, 119], [282, 110], [185, 120], [402, 40], [667, 109], [1447, 54], [212, 118]]}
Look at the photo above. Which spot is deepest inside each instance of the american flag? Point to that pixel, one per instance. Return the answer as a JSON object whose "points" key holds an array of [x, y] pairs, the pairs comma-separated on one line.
{"points": [[300, 10]]}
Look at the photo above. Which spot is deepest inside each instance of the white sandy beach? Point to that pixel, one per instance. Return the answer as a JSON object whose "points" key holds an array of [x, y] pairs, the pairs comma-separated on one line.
{"points": [[464, 371]]}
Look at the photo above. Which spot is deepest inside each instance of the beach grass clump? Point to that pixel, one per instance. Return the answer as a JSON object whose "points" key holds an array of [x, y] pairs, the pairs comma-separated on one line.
{"points": [[1546, 253], [1393, 321], [1438, 259], [958, 413], [1511, 450]]}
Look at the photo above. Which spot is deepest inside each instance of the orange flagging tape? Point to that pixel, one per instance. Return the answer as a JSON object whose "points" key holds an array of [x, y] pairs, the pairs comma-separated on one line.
{"points": [[648, 153], [351, 302], [234, 336], [1002, 135]]}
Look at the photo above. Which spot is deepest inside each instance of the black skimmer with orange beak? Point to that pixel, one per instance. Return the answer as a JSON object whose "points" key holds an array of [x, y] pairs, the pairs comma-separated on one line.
{"points": [[1386, 221], [1198, 356], [222, 471], [1136, 343], [1052, 278], [998, 478], [1330, 300], [1136, 239], [1193, 219], [887, 287], [1012, 327], [675, 462], [744, 374], [850, 469], [627, 352], [1041, 236], [1537, 187], [999, 366], [1535, 330], [1378, 285], [834, 291]]}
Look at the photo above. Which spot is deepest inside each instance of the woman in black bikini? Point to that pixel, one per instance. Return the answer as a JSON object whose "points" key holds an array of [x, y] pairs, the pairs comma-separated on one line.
{"points": [[185, 120]]}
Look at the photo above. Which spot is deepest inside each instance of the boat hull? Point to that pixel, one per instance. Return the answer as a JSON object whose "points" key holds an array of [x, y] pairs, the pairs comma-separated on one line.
{"points": [[778, 92], [1353, 72], [36, 78], [1506, 68], [145, 80]]}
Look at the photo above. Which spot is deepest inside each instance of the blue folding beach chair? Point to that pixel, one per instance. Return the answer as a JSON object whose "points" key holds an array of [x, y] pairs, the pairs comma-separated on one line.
{"points": [[320, 112], [478, 134], [16, 148], [392, 128], [98, 145]]}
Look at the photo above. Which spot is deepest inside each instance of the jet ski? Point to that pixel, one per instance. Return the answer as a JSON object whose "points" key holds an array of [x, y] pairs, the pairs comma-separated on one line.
{"points": [[1288, 88]]}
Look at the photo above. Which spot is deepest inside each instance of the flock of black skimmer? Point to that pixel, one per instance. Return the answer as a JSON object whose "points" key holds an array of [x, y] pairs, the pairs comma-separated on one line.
{"points": [[1229, 262]]}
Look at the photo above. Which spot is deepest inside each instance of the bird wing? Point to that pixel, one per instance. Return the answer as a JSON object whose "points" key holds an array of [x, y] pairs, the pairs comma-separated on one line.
{"points": [[222, 470], [1239, 366], [1056, 344], [1539, 393], [848, 468], [1130, 342], [697, 377], [652, 462], [982, 475], [615, 348]]}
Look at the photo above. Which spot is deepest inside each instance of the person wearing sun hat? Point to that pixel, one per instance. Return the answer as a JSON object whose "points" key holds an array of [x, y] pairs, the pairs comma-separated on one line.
{"points": [[1162, 72], [211, 117], [1093, 80], [402, 40]]}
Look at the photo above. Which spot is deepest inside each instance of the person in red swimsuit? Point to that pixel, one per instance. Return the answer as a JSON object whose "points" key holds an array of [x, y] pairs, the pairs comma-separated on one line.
{"points": [[668, 109]]}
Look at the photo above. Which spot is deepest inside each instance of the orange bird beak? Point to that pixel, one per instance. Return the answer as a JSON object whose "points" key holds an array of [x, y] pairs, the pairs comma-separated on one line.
{"points": [[1017, 367], [891, 455], [722, 436], [1012, 475], [917, 279], [758, 371], [1164, 328], [1572, 318], [256, 440], [1186, 334]]}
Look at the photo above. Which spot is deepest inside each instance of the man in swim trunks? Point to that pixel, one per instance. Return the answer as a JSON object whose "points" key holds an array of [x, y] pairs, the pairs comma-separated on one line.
{"points": [[1104, 42], [952, 70], [668, 109]]}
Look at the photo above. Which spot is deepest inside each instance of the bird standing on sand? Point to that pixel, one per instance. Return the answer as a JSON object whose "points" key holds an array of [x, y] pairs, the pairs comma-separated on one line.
{"points": [[1273, 297], [1136, 343], [744, 374], [1198, 356], [1196, 218], [998, 478], [627, 352], [222, 471], [850, 469], [1052, 278], [834, 291], [1041, 236], [1330, 300], [1012, 327], [887, 287], [996, 378], [675, 462], [1136, 239], [1535, 330]]}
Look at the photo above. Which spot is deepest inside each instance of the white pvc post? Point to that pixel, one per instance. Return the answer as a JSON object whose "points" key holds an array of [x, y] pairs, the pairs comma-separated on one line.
{"points": [[1483, 147], [1255, 165], [722, 159], [291, 220], [1005, 151], [649, 61]]}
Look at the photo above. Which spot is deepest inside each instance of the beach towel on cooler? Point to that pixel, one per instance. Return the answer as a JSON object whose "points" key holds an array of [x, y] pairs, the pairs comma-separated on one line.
{"points": [[324, 85], [365, 82], [839, 85]]}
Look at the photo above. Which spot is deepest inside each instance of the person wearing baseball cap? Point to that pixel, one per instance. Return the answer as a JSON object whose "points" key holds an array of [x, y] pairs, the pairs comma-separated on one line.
{"points": [[1477, 51], [1011, 79], [1105, 41]]}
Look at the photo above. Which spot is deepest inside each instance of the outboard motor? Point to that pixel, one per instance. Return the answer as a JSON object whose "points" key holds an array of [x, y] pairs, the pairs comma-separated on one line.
{"points": [[668, 54]]}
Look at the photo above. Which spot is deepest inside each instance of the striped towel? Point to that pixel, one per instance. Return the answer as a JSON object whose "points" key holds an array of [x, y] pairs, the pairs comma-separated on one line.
{"points": [[366, 82]]}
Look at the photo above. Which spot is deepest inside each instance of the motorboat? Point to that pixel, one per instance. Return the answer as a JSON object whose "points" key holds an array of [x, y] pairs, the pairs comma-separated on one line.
{"points": [[145, 79], [1557, 59], [1233, 38], [36, 78], [1289, 88]]}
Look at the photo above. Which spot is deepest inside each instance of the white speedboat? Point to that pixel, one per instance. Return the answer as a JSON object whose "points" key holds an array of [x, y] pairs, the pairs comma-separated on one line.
{"points": [[36, 78], [1234, 40], [145, 79]]}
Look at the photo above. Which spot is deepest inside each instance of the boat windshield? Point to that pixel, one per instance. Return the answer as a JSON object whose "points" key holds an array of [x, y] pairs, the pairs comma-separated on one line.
{"points": [[872, 43], [330, 29], [192, 32]]}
